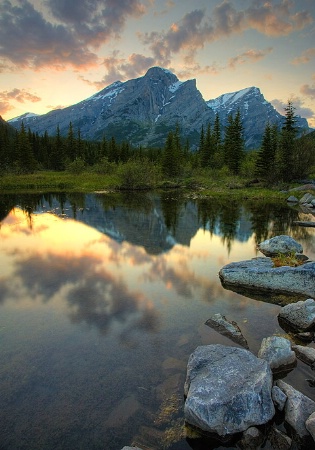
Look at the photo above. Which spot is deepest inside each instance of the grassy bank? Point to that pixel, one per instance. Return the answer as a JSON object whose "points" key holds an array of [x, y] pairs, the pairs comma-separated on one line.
{"points": [[200, 185]]}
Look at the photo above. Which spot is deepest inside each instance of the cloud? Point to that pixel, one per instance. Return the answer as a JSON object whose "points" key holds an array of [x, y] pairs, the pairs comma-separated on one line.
{"points": [[195, 29], [248, 56], [19, 95], [122, 69], [308, 91], [274, 18], [305, 58], [299, 108], [28, 40], [96, 21]]}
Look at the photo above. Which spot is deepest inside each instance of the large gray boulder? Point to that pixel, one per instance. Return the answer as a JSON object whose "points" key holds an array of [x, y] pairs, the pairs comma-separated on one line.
{"points": [[277, 352], [259, 273], [280, 245], [300, 315], [298, 409], [228, 390]]}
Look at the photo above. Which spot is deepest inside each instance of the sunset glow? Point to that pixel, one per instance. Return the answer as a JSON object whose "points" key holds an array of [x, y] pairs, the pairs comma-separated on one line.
{"points": [[54, 54]]}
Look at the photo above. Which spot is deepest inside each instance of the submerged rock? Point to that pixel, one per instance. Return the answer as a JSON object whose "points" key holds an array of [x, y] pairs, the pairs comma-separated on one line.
{"points": [[277, 352], [280, 245], [300, 315], [227, 328], [259, 273], [228, 390]]}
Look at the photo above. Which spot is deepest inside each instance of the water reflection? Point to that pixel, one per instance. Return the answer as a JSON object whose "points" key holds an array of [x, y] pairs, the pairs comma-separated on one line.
{"points": [[103, 298]]}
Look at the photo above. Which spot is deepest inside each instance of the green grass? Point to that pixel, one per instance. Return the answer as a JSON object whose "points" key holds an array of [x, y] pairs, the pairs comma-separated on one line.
{"points": [[200, 186], [58, 181]]}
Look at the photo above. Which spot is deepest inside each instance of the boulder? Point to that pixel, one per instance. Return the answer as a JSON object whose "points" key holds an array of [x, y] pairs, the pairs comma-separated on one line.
{"points": [[260, 274], [279, 245], [305, 354], [292, 199], [227, 328], [299, 316], [307, 198], [310, 425], [297, 409], [279, 398], [279, 440], [277, 352], [252, 439], [227, 390]]}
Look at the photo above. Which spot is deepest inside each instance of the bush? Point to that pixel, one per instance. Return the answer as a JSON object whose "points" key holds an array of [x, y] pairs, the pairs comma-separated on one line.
{"points": [[104, 167], [140, 174], [77, 166]]}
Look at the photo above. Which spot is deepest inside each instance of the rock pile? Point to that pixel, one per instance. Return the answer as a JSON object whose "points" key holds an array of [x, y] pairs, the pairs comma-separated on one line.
{"points": [[230, 391]]}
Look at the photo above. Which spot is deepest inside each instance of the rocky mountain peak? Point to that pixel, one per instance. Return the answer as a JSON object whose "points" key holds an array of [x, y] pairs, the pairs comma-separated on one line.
{"points": [[143, 110]]}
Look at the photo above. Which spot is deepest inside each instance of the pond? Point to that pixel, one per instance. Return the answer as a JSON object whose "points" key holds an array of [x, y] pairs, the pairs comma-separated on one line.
{"points": [[103, 297]]}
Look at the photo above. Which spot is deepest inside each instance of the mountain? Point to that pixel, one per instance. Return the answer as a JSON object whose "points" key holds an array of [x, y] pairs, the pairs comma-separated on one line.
{"points": [[145, 109], [255, 113]]}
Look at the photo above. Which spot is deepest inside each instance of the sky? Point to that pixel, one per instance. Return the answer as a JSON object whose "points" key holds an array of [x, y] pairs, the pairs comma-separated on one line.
{"points": [[55, 53]]}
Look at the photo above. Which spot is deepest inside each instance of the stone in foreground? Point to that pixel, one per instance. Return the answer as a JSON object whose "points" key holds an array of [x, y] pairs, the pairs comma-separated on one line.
{"points": [[280, 245], [277, 352], [228, 390], [298, 409], [300, 315], [260, 274]]}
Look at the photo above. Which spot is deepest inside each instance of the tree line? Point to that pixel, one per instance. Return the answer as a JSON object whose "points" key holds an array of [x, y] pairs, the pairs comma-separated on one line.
{"points": [[282, 156]]}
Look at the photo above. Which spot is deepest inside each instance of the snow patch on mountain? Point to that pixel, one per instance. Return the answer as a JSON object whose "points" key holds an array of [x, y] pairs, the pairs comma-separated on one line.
{"points": [[175, 86], [27, 115], [229, 99]]}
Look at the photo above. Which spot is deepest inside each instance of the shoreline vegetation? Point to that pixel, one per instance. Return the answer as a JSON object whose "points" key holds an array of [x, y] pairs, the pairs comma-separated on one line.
{"points": [[201, 185]]}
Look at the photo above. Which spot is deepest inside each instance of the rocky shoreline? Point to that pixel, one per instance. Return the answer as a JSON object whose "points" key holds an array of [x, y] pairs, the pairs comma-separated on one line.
{"points": [[235, 397]]}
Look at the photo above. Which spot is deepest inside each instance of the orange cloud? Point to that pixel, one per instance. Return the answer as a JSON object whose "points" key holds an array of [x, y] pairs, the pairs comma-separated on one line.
{"points": [[305, 58]]}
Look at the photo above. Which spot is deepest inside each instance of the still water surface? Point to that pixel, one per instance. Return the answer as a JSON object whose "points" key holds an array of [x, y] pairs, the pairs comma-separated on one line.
{"points": [[102, 299]]}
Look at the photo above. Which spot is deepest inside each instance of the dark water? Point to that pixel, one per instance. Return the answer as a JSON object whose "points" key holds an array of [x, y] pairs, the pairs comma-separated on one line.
{"points": [[102, 300]]}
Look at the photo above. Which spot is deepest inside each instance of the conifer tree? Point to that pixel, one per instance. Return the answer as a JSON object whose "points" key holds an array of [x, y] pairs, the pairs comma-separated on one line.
{"points": [[287, 143], [265, 163], [25, 161], [56, 160], [234, 143], [171, 163]]}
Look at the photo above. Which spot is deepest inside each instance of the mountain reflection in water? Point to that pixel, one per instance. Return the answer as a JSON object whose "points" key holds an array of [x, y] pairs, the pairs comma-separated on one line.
{"points": [[102, 300]]}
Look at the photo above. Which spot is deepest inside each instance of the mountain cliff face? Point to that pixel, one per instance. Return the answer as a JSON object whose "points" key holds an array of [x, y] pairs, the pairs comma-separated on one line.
{"points": [[145, 109]]}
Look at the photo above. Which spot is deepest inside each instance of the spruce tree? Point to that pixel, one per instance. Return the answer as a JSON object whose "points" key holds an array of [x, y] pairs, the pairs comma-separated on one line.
{"points": [[25, 161], [287, 143], [234, 143], [171, 163], [265, 163]]}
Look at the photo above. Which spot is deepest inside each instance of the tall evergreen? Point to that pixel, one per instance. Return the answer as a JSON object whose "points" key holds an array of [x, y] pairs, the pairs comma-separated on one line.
{"points": [[24, 161], [171, 162], [234, 143], [56, 160], [207, 150], [287, 143], [265, 163]]}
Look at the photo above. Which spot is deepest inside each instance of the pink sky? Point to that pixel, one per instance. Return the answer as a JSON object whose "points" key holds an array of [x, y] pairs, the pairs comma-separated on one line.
{"points": [[54, 53]]}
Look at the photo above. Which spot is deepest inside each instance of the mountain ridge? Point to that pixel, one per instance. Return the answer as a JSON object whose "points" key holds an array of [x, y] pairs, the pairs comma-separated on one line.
{"points": [[143, 110]]}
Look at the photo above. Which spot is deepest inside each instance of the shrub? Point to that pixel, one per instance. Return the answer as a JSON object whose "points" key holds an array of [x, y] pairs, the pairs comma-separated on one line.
{"points": [[140, 174], [77, 166]]}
